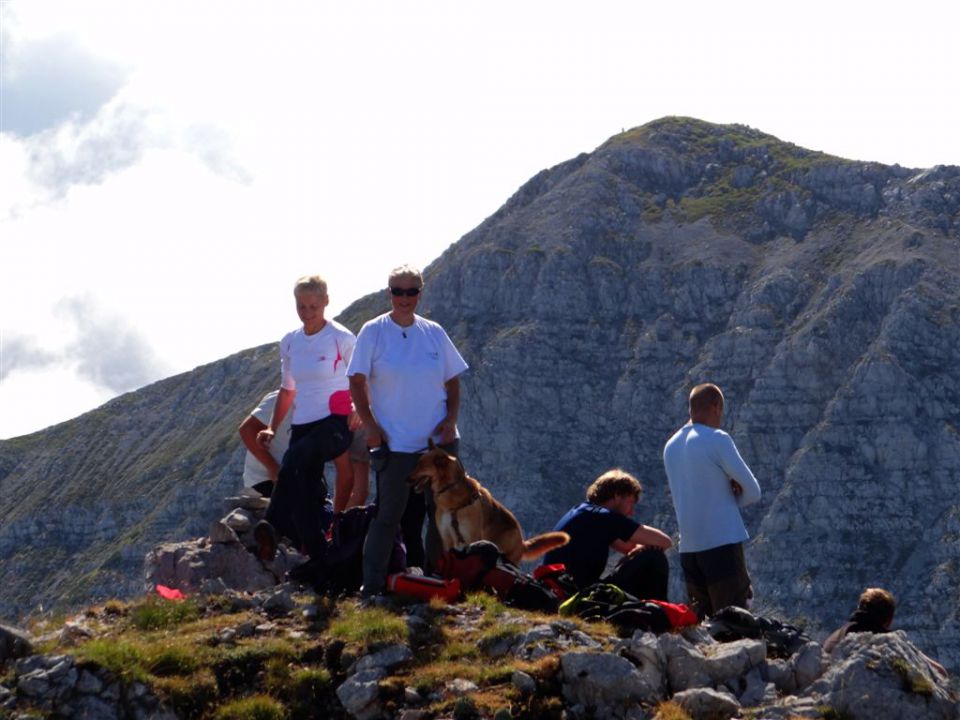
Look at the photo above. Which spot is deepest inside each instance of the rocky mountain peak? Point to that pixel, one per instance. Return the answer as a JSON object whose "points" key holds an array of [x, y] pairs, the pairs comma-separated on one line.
{"points": [[820, 293]]}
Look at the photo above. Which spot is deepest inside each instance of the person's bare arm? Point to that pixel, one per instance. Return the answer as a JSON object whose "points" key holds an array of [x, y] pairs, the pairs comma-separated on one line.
{"points": [[361, 403], [643, 536], [284, 401], [447, 428], [249, 429]]}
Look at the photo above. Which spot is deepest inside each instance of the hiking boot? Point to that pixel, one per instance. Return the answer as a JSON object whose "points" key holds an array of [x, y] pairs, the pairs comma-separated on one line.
{"points": [[267, 540], [308, 573]]}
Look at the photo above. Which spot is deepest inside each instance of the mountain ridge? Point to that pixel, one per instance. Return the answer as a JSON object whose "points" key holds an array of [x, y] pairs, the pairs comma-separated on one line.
{"points": [[820, 293]]}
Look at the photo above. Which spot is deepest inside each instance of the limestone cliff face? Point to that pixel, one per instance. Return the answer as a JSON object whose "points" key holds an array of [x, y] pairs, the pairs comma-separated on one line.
{"points": [[822, 295]]}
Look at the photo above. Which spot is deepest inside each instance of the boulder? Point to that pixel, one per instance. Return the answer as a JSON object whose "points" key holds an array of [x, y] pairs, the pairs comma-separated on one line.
{"points": [[13, 644], [883, 676]]}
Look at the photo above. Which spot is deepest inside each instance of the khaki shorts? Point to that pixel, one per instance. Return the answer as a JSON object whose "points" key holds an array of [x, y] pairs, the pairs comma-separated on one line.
{"points": [[358, 449]]}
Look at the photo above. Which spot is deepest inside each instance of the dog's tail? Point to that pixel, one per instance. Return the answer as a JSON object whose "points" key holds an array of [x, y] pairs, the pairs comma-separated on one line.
{"points": [[544, 543]]}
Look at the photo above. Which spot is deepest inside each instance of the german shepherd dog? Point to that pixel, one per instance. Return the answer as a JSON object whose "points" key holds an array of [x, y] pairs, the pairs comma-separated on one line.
{"points": [[466, 511]]}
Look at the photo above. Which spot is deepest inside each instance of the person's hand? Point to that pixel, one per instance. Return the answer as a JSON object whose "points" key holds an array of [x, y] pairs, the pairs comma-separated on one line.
{"points": [[447, 430], [264, 438], [736, 487], [374, 436]]}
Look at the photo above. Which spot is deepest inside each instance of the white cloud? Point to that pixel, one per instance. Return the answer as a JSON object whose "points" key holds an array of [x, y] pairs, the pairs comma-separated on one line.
{"points": [[221, 149]]}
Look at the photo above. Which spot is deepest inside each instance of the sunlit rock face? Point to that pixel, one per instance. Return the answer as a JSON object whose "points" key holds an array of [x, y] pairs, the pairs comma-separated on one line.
{"points": [[821, 294]]}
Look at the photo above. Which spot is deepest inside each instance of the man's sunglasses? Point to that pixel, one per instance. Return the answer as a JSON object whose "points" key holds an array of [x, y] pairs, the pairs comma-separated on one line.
{"points": [[409, 292]]}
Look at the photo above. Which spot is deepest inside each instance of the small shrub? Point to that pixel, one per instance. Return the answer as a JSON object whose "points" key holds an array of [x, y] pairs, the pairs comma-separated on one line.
{"points": [[465, 709], [170, 659], [189, 697], [670, 710], [259, 707], [115, 607], [157, 613], [238, 669]]}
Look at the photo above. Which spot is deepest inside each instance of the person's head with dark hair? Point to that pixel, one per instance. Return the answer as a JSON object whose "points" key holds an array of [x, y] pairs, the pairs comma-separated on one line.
{"points": [[706, 404], [879, 605]]}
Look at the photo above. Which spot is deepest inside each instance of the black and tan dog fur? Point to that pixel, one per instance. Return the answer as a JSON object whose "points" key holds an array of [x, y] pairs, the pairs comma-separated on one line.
{"points": [[466, 511]]}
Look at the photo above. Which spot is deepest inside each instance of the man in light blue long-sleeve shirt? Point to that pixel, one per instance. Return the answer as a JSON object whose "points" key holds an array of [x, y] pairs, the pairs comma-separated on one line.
{"points": [[709, 483]]}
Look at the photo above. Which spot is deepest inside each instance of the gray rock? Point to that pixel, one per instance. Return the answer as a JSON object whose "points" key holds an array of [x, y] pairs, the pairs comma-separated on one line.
{"points": [[240, 520], [707, 704], [459, 687], [14, 644], [601, 679], [883, 675], [386, 658], [221, 532], [88, 683], [73, 632], [686, 665], [279, 601], [360, 693], [213, 586], [648, 658], [753, 688], [523, 682], [780, 673], [807, 664]]}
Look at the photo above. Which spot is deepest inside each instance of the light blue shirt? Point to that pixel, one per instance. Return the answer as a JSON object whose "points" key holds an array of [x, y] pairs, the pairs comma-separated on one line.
{"points": [[700, 462]]}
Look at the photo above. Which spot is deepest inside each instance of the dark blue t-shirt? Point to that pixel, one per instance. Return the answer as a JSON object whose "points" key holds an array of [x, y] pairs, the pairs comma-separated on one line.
{"points": [[592, 529]]}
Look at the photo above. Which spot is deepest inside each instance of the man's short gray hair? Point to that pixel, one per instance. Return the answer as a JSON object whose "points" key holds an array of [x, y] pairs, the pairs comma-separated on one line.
{"points": [[405, 272]]}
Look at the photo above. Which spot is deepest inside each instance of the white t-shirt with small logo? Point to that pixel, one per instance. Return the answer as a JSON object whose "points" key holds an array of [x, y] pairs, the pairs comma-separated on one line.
{"points": [[406, 370]]}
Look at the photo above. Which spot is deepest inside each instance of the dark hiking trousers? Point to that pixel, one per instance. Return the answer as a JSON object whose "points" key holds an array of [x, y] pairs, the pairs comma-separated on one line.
{"points": [[297, 504], [643, 574], [398, 506]]}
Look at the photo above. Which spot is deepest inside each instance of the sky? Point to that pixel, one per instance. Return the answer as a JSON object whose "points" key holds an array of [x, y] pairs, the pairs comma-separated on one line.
{"points": [[167, 170]]}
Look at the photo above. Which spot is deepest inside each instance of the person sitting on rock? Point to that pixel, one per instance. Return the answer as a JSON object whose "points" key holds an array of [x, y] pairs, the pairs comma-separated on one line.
{"points": [[604, 522], [874, 614], [261, 464]]}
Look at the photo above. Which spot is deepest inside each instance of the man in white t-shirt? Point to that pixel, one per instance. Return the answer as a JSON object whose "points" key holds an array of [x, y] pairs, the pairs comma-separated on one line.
{"points": [[405, 383], [709, 483], [261, 465]]}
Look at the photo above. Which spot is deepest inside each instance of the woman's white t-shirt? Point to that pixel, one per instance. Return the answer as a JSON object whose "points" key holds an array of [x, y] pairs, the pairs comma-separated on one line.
{"points": [[316, 367]]}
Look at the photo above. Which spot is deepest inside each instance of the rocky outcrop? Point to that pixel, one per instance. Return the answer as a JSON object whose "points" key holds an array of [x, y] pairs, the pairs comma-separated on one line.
{"points": [[225, 558], [821, 294], [868, 676]]}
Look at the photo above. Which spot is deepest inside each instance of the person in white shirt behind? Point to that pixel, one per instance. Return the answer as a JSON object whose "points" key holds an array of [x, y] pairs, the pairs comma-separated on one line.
{"points": [[261, 465], [709, 483]]}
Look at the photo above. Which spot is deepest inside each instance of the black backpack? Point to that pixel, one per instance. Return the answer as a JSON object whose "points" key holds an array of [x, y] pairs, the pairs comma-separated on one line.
{"points": [[734, 623], [342, 570]]}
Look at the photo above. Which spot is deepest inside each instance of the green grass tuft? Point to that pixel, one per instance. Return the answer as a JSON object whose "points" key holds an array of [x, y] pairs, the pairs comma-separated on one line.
{"points": [[124, 659], [259, 707], [367, 626], [157, 613]]}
